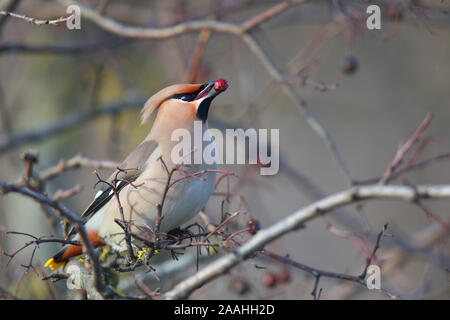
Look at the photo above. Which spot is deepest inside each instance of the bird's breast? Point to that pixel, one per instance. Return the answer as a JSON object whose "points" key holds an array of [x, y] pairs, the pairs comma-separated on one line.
{"points": [[181, 193]]}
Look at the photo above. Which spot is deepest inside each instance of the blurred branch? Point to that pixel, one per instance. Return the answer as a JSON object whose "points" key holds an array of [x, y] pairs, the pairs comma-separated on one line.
{"points": [[35, 20], [419, 165], [303, 80], [433, 216], [4, 294], [73, 163], [317, 273], [404, 148], [150, 33], [67, 193], [5, 115], [299, 103], [71, 217], [197, 56], [242, 30], [80, 48], [393, 259], [66, 123], [7, 5], [392, 171], [295, 220], [181, 28]]}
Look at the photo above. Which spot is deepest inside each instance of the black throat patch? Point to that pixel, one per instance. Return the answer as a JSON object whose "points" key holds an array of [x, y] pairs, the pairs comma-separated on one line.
{"points": [[203, 108]]}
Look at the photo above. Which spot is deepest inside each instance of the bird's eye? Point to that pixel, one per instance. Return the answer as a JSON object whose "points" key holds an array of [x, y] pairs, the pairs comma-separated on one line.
{"points": [[187, 97]]}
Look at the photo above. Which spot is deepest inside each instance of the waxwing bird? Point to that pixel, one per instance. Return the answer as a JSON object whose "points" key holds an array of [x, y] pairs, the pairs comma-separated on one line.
{"points": [[142, 177]]}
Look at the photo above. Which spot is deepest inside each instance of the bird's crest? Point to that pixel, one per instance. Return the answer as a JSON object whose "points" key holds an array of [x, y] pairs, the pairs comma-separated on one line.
{"points": [[158, 98]]}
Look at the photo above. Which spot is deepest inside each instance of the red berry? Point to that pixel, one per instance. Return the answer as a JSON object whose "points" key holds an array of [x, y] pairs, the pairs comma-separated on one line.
{"points": [[239, 285], [269, 279], [283, 275], [221, 85]]}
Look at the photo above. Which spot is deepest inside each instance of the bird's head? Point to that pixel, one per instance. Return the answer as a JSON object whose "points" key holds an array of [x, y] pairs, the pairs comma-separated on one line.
{"points": [[196, 98]]}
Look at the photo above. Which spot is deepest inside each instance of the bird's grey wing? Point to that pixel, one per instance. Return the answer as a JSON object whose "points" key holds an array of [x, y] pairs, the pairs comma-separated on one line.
{"points": [[133, 165], [128, 171]]}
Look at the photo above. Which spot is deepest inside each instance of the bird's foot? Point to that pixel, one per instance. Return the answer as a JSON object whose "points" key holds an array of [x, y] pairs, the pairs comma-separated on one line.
{"points": [[179, 234]]}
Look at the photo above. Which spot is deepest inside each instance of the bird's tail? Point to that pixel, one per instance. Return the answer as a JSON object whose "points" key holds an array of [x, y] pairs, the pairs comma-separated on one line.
{"points": [[58, 260], [70, 251]]}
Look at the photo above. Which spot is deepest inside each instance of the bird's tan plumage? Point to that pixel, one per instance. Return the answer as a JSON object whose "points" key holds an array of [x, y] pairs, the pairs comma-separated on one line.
{"points": [[147, 167], [158, 98]]}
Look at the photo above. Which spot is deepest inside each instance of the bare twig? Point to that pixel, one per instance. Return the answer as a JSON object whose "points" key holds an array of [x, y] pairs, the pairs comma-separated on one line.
{"points": [[35, 20], [395, 257], [194, 65], [299, 103], [242, 30], [126, 224], [404, 148], [411, 167], [67, 193], [375, 248], [73, 163], [292, 222], [314, 293], [71, 217], [319, 86]]}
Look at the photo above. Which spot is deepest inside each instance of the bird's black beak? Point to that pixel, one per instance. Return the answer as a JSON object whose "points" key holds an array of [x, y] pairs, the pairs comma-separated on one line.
{"points": [[212, 89], [209, 91], [206, 91]]}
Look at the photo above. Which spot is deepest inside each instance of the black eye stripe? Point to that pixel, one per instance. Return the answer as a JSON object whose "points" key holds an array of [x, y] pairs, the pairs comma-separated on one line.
{"points": [[187, 96], [184, 96]]}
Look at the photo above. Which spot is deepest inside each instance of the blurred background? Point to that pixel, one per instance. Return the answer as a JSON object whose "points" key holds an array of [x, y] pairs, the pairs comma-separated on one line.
{"points": [[65, 92]]}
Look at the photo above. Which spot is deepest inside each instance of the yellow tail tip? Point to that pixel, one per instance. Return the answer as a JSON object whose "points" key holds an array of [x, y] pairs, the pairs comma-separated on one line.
{"points": [[52, 264], [119, 293]]}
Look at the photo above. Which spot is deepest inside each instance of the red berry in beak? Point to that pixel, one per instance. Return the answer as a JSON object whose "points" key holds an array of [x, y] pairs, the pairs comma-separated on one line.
{"points": [[220, 85]]}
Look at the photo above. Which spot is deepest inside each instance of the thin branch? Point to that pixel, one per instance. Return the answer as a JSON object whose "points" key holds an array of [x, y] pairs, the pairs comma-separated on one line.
{"points": [[303, 80], [181, 28], [318, 128], [79, 48], [404, 148], [73, 163], [66, 123], [71, 217], [67, 193], [242, 31], [314, 293], [150, 33], [194, 65], [126, 224], [35, 20], [374, 251], [419, 165], [295, 220]]}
